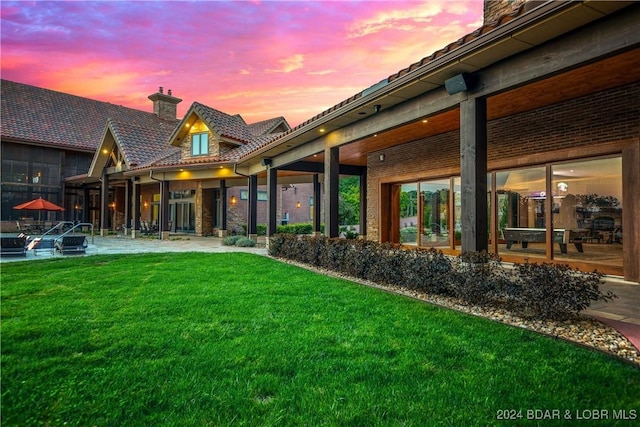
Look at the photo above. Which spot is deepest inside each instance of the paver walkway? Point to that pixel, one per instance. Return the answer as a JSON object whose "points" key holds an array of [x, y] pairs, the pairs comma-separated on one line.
{"points": [[623, 313]]}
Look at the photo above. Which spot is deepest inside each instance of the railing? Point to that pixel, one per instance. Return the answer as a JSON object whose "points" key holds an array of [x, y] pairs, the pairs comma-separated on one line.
{"points": [[39, 243], [58, 227], [80, 224]]}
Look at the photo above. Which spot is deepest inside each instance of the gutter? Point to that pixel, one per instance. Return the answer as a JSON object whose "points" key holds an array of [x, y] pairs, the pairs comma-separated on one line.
{"points": [[155, 179]]}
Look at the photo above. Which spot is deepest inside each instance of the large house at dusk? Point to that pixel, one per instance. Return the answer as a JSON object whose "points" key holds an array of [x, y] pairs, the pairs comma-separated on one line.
{"points": [[521, 138]]}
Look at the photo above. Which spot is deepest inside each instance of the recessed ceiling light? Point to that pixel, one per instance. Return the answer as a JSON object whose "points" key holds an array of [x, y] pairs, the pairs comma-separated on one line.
{"points": [[425, 121], [322, 130]]}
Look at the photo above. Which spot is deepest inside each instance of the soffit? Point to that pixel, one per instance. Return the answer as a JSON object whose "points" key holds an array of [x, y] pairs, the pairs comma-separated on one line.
{"points": [[596, 77]]}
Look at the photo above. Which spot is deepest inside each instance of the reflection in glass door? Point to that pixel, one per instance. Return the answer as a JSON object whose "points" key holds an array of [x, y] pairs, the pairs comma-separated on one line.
{"points": [[184, 217], [587, 207], [409, 214], [434, 202]]}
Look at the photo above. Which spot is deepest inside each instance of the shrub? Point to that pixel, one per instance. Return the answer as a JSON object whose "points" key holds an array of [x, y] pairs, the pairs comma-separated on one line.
{"points": [[231, 240], [245, 242], [528, 290], [299, 228], [349, 232], [554, 291], [479, 279]]}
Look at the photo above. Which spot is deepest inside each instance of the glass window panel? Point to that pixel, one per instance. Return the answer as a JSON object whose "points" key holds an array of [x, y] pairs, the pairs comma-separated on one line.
{"points": [[409, 213], [199, 144], [521, 211], [457, 201], [434, 200], [587, 204]]}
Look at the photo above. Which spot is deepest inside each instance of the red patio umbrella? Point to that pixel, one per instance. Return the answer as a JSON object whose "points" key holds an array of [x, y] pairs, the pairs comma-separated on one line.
{"points": [[39, 205]]}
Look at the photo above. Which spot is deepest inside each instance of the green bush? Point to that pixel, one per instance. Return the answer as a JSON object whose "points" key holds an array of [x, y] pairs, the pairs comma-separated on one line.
{"points": [[245, 242], [546, 291], [299, 228], [231, 240], [349, 232]]}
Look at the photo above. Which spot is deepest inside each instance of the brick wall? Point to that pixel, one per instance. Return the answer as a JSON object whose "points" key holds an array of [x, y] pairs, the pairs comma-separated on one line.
{"points": [[611, 115]]}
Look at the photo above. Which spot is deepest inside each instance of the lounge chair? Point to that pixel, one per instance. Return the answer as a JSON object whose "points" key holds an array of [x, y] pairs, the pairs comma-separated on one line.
{"points": [[71, 244], [14, 246]]}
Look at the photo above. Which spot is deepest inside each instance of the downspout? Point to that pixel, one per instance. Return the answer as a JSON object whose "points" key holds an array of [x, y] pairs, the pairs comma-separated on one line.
{"points": [[160, 219]]}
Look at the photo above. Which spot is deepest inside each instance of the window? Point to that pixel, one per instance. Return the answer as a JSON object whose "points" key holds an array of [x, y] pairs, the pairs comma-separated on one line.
{"points": [[434, 202], [199, 144], [262, 195]]}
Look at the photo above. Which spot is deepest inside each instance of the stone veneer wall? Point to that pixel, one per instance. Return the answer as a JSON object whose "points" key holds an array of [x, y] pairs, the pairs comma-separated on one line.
{"points": [[493, 9], [204, 211]]}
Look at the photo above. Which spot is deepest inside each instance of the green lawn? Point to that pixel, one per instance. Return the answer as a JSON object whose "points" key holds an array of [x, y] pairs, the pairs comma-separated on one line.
{"points": [[237, 339]]}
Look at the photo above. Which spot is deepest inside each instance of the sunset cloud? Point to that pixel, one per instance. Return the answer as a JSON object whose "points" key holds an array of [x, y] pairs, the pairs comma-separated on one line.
{"points": [[289, 64], [259, 59]]}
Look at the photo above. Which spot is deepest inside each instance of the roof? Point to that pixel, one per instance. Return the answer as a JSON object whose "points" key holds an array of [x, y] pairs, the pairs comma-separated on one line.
{"points": [[225, 125], [141, 145], [48, 117], [231, 128], [269, 126]]}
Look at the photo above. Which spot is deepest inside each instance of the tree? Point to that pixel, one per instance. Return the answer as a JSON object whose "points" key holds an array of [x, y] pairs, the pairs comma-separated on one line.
{"points": [[349, 201]]}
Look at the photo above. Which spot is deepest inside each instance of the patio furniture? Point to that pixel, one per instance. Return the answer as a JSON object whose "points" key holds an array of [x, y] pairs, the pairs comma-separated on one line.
{"points": [[71, 244], [14, 245]]}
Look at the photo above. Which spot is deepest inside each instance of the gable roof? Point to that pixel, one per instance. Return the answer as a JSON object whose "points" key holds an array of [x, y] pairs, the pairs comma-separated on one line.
{"points": [[269, 126], [229, 128], [226, 126], [138, 145], [46, 117]]}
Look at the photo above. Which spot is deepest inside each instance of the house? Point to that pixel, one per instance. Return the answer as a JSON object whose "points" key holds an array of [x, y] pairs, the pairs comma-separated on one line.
{"points": [[47, 136], [521, 138], [86, 155]]}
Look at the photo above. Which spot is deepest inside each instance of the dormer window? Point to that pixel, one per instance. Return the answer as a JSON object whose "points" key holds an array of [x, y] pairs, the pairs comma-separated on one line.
{"points": [[199, 144]]}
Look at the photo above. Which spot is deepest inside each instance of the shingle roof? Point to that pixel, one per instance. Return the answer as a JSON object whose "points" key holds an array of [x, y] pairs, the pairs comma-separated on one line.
{"points": [[231, 127], [266, 127], [227, 126], [44, 116], [141, 145]]}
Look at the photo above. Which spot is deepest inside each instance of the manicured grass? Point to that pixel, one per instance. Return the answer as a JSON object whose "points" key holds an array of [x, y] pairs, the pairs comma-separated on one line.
{"points": [[237, 339]]}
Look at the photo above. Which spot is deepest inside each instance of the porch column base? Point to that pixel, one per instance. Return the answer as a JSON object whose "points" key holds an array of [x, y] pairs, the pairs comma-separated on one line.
{"points": [[104, 232], [222, 233]]}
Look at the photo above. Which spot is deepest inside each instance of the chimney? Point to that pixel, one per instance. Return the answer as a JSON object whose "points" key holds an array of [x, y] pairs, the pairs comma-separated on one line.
{"points": [[494, 9], [164, 106]]}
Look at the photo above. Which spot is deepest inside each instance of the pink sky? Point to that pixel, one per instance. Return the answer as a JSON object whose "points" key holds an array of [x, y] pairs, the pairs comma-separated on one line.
{"points": [[259, 59]]}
